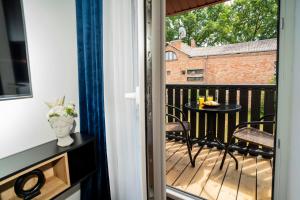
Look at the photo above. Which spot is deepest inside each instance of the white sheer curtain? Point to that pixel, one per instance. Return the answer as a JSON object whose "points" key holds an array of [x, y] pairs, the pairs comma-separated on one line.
{"points": [[125, 138]]}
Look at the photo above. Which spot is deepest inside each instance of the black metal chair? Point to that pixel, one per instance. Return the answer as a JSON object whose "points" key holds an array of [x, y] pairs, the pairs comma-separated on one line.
{"points": [[251, 135], [182, 126]]}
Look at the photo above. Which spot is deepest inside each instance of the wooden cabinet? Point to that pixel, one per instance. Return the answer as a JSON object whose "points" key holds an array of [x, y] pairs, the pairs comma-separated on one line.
{"points": [[62, 167]]}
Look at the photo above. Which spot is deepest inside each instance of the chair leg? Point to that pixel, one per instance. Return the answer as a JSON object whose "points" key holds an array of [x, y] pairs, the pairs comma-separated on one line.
{"points": [[225, 153], [190, 153], [189, 147], [195, 156], [224, 156]]}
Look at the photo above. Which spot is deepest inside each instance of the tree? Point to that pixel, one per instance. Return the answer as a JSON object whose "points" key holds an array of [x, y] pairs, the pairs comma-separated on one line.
{"points": [[240, 21]]}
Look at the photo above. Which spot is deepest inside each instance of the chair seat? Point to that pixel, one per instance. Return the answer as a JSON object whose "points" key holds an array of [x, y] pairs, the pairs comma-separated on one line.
{"points": [[256, 136], [177, 127]]}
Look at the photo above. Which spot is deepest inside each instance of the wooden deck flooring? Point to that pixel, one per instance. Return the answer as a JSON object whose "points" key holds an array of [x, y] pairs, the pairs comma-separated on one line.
{"points": [[252, 181]]}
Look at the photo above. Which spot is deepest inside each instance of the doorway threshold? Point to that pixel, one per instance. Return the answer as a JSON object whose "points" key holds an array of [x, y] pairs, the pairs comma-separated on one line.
{"points": [[175, 194]]}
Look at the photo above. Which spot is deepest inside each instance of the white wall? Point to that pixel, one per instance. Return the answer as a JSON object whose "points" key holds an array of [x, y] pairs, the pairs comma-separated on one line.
{"points": [[52, 45]]}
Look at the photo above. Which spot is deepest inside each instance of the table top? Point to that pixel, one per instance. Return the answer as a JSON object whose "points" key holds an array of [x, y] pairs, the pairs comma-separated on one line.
{"points": [[225, 108]]}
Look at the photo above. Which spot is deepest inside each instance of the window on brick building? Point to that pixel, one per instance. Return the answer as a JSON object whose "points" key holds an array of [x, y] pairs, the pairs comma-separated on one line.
{"points": [[195, 74], [168, 72], [194, 78], [170, 55]]}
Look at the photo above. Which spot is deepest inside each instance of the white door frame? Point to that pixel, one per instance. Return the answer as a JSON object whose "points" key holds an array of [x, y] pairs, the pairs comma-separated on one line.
{"points": [[285, 83], [287, 12], [155, 95]]}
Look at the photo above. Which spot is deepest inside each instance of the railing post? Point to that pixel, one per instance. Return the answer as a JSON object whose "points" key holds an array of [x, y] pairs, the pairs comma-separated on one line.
{"points": [[255, 115], [269, 109], [221, 116], [231, 116], [170, 110], [243, 115], [185, 99], [178, 136], [193, 114], [201, 121]]}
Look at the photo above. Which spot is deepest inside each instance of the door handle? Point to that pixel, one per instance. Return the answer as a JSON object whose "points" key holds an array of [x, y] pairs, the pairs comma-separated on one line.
{"points": [[134, 95]]}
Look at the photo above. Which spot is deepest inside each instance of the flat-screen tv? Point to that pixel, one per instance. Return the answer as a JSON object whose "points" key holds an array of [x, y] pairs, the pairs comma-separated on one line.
{"points": [[14, 66]]}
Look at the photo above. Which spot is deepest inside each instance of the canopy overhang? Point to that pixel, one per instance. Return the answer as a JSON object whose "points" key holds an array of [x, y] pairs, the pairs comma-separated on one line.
{"points": [[174, 7]]}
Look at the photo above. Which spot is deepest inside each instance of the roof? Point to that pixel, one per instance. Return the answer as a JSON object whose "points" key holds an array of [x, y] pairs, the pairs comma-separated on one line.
{"points": [[174, 7], [246, 47]]}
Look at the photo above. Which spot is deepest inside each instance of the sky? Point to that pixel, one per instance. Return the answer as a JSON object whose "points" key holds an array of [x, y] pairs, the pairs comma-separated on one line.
{"points": [[229, 2]]}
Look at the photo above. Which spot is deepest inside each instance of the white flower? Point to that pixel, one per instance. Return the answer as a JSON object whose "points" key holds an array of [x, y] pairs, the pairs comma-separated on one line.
{"points": [[58, 109]]}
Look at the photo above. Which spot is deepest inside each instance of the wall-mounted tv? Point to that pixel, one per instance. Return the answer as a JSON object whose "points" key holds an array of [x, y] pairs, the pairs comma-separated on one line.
{"points": [[14, 66]]}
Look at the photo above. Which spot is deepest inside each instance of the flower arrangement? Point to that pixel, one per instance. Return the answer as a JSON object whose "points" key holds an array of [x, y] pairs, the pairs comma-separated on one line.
{"points": [[61, 119], [58, 109]]}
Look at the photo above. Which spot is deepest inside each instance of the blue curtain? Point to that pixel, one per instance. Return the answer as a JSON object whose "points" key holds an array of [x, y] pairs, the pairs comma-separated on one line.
{"points": [[90, 60]]}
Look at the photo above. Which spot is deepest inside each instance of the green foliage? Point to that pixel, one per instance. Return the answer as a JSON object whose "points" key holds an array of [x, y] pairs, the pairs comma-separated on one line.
{"points": [[70, 111], [240, 21]]}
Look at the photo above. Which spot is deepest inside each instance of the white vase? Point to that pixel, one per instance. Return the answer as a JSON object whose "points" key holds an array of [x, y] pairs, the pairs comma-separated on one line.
{"points": [[62, 127]]}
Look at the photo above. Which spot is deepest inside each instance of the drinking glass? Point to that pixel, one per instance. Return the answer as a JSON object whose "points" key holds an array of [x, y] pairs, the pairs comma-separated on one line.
{"points": [[201, 100], [210, 98]]}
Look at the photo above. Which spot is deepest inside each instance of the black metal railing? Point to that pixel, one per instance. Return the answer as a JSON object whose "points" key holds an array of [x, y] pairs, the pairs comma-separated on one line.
{"points": [[256, 101]]}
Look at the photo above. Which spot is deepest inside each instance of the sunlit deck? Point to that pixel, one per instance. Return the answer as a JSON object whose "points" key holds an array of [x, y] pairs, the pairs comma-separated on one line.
{"points": [[252, 180]]}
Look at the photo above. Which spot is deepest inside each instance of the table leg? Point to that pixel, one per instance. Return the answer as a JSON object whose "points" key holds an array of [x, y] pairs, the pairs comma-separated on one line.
{"points": [[211, 128]]}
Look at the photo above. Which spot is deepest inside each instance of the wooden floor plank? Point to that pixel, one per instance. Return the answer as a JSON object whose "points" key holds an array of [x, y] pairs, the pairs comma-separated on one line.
{"points": [[230, 184], [178, 155], [252, 180], [169, 144], [173, 149], [264, 179], [215, 180], [196, 185], [247, 187], [189, 172], [176, 171]]}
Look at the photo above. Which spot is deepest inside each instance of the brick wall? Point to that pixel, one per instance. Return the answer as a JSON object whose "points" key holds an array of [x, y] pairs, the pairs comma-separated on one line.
{"points": [[244, 68]]}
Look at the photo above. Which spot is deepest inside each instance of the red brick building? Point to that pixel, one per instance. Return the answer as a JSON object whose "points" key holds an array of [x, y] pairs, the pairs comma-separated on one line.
{"points": [[242, 63]]}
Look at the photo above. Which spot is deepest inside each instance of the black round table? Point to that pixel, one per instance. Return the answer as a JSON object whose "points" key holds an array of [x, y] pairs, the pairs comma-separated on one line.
{"points": [[210, 139]]}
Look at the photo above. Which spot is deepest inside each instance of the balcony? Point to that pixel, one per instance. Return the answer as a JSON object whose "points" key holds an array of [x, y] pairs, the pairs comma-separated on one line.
{"points": [[253, 178]]}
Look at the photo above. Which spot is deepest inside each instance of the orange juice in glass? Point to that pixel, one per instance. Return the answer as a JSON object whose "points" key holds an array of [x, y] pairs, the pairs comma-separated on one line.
{"points": [[201, 100], [210, 98]]}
